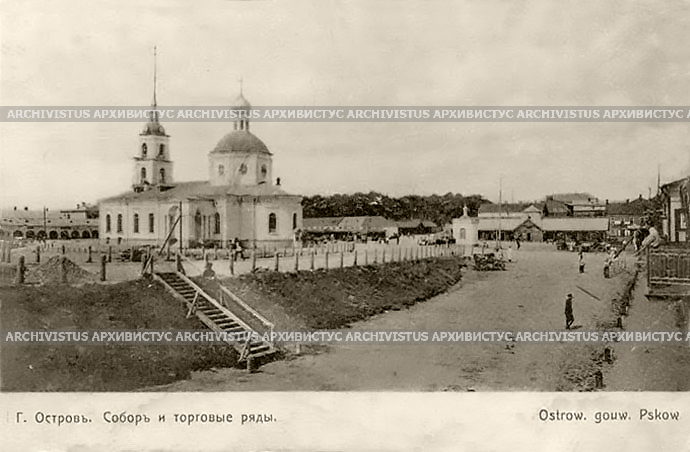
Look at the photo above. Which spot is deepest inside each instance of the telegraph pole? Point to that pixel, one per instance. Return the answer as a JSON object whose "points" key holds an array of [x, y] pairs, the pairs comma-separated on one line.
{"points": [[180, 228]]}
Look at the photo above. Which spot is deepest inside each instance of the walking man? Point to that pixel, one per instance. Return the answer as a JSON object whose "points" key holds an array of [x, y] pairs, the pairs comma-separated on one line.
{"points": [[569, 318]]}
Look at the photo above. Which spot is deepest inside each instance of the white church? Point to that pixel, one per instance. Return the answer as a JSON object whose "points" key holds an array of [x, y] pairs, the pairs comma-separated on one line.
{"points": [[238, 201]]}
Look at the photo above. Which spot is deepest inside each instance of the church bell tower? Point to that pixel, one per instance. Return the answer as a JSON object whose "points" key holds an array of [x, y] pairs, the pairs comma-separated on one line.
{"points": [[152, 164]]}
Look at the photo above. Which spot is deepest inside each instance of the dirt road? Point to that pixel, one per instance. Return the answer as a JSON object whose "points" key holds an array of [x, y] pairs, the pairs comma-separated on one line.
{"points": [[530, 295]]}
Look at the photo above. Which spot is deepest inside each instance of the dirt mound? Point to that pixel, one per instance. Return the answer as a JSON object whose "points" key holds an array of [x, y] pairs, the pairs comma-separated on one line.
{"points": [[51, 272]]}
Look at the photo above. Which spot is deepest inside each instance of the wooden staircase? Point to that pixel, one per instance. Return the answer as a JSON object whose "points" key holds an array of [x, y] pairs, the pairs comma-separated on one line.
{"points": [[214, 315]]}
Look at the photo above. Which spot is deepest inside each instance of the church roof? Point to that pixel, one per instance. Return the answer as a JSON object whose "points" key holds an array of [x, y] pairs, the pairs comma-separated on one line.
{"points": [[241, 141], [200, 189]]}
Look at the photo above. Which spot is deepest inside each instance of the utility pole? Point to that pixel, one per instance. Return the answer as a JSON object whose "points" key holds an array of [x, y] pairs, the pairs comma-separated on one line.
{"points": [[500, 208], [180, 228]]}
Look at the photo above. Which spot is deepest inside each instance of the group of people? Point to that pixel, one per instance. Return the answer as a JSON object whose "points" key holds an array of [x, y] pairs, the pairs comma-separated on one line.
{"points": [[651, 240]]}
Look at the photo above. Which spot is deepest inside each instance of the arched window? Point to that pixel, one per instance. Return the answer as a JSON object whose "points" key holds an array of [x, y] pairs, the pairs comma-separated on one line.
{"points": [[143, 175], [136, 223], [107, 223], [151, 222], [272, 223], [161, 176], [462, 234], [119, 222], [263, 171], [221, 170], [161, 150], [294, 221], [216, 223], [144, 150]]}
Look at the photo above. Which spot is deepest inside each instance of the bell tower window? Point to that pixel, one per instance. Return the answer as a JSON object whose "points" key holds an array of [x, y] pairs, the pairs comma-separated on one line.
{"points": [[143, 175], [161, 176], [263, 171], [144, 150], [161, 150], [221, 170], [272, 223]]}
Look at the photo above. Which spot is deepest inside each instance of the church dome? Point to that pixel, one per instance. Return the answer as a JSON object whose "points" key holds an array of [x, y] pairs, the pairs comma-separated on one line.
{"points": [[241, 141]]}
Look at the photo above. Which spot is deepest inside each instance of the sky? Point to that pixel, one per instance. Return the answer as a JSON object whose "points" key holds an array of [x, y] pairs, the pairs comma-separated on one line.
{"points": [[350, 53]]}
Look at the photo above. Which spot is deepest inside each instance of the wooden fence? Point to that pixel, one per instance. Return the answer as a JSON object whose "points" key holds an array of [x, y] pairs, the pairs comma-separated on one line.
{"points": [[668, 272]]}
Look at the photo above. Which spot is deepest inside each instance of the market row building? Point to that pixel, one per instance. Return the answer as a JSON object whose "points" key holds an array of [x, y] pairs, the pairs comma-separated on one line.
{"points": [[46, 224], [568, 217]]}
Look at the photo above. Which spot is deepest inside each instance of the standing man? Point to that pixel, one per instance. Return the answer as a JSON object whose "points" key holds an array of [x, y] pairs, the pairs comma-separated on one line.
{"points": [[569, 318], [582, 261]]}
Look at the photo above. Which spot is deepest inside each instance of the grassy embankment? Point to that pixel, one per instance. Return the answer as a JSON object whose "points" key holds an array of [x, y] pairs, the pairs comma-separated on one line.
{"points": [[320, 299]]}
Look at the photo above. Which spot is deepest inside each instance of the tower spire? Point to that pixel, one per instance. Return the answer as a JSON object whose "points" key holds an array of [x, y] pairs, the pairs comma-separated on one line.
{"points": [[155, 58]]}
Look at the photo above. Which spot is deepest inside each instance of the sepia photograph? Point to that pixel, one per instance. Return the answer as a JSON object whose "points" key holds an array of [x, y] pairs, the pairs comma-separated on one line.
{"points": [[330, 225]]}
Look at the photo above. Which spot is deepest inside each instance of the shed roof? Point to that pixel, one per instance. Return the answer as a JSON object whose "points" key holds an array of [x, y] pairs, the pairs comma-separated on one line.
{"points": [[575, 224]]}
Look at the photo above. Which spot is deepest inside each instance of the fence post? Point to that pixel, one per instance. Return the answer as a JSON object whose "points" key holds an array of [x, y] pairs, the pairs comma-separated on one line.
{"points": [[38, 254], [20, 270], [355, 262], [63, 250], [326, 259], [376, 255], [253, 259], [296, 260], [88, 261], [232, 263], [178, 262], [383, 256], [215, 252], [103, 261], [277, 262], [311, 267], [366, 256], [342, 257], [110, 253]]}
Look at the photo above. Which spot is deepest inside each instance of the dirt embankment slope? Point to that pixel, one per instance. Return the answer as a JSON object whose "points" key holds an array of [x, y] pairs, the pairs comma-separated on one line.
{"points": [[330, 299]]}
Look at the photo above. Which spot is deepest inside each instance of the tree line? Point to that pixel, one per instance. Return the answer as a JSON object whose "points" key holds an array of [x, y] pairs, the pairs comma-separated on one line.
{"points": [[439, 209]]}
